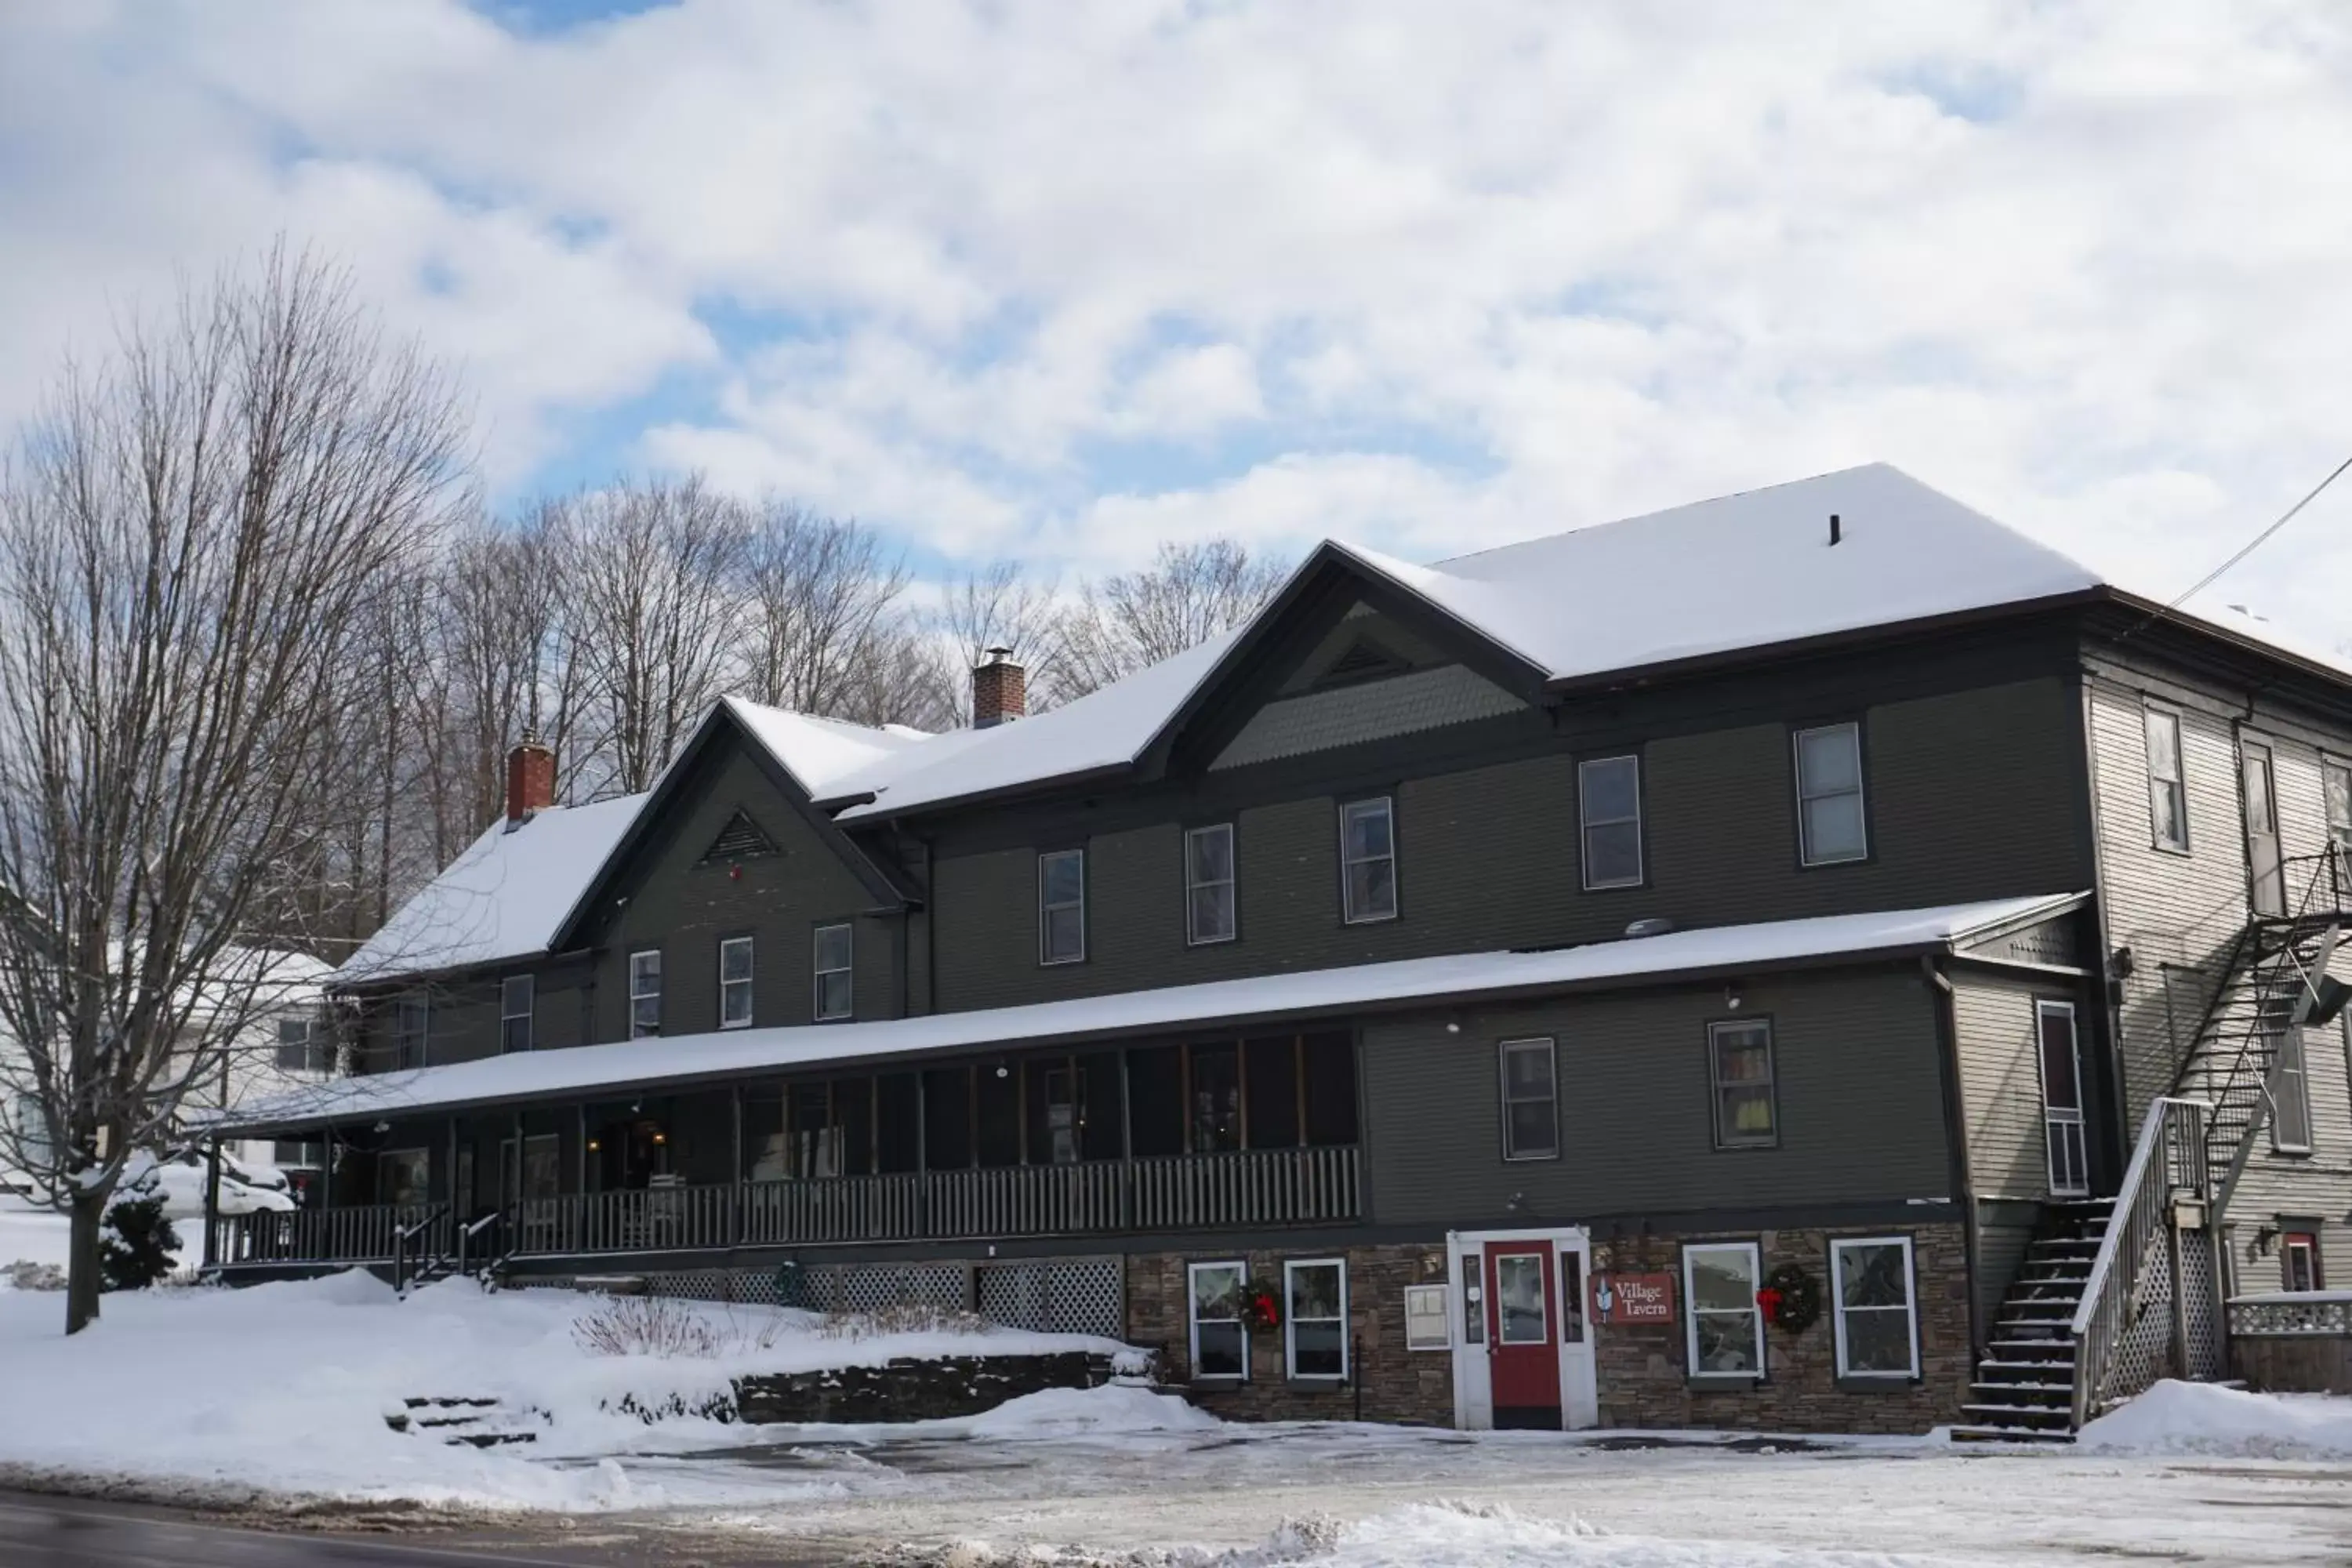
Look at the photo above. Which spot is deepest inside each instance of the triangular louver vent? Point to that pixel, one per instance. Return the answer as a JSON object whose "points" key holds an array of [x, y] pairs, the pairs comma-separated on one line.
{"points": [[741, 839], [1363, 661]]}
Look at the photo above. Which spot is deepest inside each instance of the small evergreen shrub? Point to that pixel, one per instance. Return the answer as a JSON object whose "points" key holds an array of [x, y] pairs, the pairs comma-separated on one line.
{"points": [[135, 1243]]}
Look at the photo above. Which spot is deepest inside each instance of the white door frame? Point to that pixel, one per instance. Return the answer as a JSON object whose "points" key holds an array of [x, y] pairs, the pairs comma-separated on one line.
{"points": [[1474, 1394]]}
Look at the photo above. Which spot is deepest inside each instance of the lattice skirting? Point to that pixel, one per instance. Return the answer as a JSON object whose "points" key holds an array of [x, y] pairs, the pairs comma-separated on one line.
{"points": [[1053, 1295]]}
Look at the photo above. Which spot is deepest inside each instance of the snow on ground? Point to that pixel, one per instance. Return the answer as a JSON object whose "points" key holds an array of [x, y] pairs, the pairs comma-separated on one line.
{"points": [[284, 1386], [30, 1234], [2206, 1418]]}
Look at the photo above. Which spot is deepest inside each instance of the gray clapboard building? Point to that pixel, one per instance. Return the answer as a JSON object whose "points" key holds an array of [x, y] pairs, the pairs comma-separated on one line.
{"points": [[1812, 958]]}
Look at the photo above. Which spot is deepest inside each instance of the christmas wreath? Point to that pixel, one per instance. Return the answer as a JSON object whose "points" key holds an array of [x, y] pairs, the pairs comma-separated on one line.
{"points": [[1264, 1306], [1791, 1298]]}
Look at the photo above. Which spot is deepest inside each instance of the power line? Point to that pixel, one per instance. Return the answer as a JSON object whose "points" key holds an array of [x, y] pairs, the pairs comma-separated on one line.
{"points": [[2252, 545]]}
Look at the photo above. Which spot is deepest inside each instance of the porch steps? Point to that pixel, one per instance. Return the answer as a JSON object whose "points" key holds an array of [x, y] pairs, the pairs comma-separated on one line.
{"points": [[474, 1421], [2024, 1387]]}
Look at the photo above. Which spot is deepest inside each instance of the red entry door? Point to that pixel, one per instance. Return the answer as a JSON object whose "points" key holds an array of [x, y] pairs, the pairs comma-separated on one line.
{"points": [[1522, 1342]]}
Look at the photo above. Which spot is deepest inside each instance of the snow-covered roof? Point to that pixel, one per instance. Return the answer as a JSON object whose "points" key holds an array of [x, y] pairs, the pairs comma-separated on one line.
{"points": [[820, 753], [1327, 992], [503, 898]]}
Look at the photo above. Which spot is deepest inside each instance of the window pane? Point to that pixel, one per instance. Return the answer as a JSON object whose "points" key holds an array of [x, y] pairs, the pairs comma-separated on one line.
{"points": [[735, 959], [1366, 829], [515, 995], [1063, 935], [644, 1016], [2339, 801], [1531, 1128], [1872, 1276], [1830, 760], [2163, 745], [2292, 1128], [1612, 853], [1722, 1281], [1217, 1292], [1319, 1349], [1726, 1341], [1520, 1299], [1212, 912], [833, 947], [1372, 890], [1833, 829], [1747, 1113], [1222, 1351], [1742, 1056], [1063, 876], [1526, 1070], [1878, 1340], [2171, 817], [833, 995], [1211, 853], [1611, 789], [644, 971], [2058, 1086], [1315, 1291]]}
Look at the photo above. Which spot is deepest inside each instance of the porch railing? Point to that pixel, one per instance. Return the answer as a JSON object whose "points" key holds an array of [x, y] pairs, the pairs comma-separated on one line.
{"points": [[2120, 1345], [369, 1234], [1258, 1186]]}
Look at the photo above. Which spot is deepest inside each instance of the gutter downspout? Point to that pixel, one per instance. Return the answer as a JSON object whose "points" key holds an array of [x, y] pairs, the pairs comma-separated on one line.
{"points": [[1956, 1133]]}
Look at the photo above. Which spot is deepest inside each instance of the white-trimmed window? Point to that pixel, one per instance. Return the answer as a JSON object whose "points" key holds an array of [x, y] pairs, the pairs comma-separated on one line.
{"points": [[735, 982], [2167, 788], [404, 1176], [1831, 826], [1211, 911], [835, 996], [411, 1018], [1314, 1317], [1425, 1325], [1368, 881], [1877, 1317], [516, 995], [1724, 1324], [2299, 1261], [1218, 1297], [1609, 809], [1740, 1055], [1530, 1101], [2335, 784], [303, 1046], [645, 993], [1062, 906], [2290, 1093]]}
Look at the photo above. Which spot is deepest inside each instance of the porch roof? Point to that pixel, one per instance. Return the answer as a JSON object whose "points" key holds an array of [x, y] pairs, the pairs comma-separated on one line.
{"points": [[679, 1060]]}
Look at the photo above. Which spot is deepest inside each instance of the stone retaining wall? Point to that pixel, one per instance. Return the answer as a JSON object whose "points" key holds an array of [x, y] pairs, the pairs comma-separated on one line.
{"points": [[911, 1390]]}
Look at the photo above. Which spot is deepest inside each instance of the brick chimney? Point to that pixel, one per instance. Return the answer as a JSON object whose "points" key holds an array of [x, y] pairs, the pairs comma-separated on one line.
{"points": [[1000, 690], [530, 779]]}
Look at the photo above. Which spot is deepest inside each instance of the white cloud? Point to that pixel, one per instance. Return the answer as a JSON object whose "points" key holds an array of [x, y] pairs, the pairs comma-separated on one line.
{"points": [[1026, 275]]}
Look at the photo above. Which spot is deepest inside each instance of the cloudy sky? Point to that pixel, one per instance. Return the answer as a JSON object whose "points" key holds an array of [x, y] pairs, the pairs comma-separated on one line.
{"points": [[1058, 280]]}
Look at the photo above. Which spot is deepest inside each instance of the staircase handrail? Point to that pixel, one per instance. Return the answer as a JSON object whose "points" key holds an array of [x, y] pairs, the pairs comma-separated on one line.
{"points": [[2147, 1182]]}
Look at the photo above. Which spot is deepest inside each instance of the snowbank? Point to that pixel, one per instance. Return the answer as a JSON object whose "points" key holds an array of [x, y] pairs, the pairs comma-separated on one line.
{"points": [[284, 1388], [2206, 1418], [32, 1234]]}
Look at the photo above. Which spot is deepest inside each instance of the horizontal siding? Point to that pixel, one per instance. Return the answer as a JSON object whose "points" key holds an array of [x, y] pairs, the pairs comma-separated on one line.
{"points": [[1859, 1086], [2000, 1080], [1969, 798]]}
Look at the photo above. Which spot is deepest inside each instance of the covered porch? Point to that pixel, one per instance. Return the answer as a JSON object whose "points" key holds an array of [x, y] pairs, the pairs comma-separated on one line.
{"points": [[1214, 1132]]}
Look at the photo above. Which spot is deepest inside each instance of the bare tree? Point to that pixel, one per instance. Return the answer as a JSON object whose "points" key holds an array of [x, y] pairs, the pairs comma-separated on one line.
{"points": [[1188, 595], [1000, 605], [655, 574], [825, 606], [189, 539], [500, 644]]}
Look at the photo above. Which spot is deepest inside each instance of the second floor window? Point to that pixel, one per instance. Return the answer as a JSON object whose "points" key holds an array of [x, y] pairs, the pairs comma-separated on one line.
{"points": [[735, 982], [2290, 1093], [409, 1018], [1609, 807], [515, 995], [834, 992], [1368, 886], [644, 993], [2335, 781], [1209, 911], [2168, 793], [1740, 1055], [304, 1047], [1530, 1102], [1831, 827], [1062, 906]]}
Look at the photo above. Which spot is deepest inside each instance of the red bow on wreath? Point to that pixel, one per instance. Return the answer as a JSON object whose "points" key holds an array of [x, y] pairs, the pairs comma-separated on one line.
{"points": [[1769, 1300], [1265, 1312]]}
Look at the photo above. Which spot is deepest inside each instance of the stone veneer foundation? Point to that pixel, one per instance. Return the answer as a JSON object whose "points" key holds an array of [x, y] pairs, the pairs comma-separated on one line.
{"points": [[1640, 1371], [1410, 1386]]}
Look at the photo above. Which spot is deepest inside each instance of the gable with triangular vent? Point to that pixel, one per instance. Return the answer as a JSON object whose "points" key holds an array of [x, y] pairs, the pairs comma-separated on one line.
{"points": [[741, 839]]}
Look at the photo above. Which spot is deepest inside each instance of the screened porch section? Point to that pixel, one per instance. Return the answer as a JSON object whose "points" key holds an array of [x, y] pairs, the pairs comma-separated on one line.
{"points": [[1165, 1137]]}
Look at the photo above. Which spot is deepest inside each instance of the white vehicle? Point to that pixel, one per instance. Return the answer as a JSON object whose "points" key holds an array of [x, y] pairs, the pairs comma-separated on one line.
{"points": [[180, 1176]]}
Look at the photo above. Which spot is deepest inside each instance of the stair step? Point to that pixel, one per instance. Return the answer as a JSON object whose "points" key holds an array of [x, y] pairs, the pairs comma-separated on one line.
{"points": [[2008, 1434], [2036, 1351], [2065, 1366], [2033, 1415], [2063, 1390]]}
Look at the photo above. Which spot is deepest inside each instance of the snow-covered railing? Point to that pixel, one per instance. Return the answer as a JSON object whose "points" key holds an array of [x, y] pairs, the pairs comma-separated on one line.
{"points": [[2292, 1312], [363, 1233], [2116, 1355]]}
